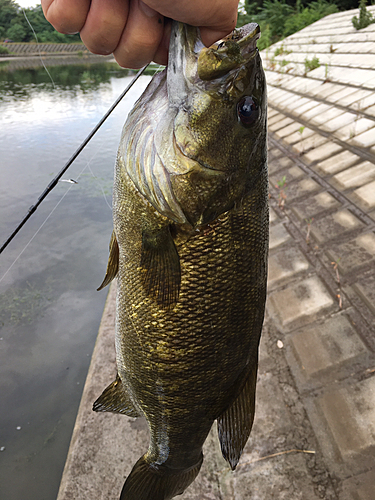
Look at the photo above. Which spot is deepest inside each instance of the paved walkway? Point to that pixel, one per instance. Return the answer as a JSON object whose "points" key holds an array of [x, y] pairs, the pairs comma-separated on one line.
{"points": [[314, 431], [321, 301]]}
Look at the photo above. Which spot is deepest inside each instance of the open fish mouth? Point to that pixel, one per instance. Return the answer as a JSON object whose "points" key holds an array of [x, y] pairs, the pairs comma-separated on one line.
{"points": [[233, 51]]}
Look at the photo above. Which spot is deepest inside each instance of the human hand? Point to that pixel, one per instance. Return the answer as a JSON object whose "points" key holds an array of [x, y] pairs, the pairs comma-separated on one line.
{"points": [[136, 31]]}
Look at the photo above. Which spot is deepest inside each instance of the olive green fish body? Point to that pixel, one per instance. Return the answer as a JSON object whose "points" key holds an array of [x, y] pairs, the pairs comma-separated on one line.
{"points": [[190, 252]]}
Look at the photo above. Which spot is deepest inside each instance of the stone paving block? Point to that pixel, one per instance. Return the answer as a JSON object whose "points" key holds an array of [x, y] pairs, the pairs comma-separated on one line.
{"points": [[327, 345], [279, 164], [282, 99], [288, 130], [322, 152], [366, 195], [294, 105], [328, 115], [285, 162], [277, 124], [319, 109], [271, 113], [294, 173], [300, 188], [299, 135], [283, 102], [275, 93], [355, 76], [350, 414], [356, 176], [336, 123], [325, 90], [276, 152], [273, 215], [304, 85], [364, 140], [290, 175], [278, 235], [364, 102], [273, 479], [370, 111], [355, 253], [337, 163], [301, 301], [366, 290], [314, 141], [305, 106], [334, 225], [285, 264], [353, 129], [314, 205], [360, 487], [276, 118], [357, 99], [343, 92]]}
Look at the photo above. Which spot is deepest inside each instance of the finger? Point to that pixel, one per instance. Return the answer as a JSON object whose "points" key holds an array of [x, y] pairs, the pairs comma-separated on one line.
{"points": [[218, 15], [141, 37], [104, 25], [210, 36], [161, 54], [66, 16]]}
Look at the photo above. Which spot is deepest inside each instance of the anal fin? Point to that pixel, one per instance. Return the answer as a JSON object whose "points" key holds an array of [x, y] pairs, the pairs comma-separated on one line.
{"points": [[235, 424], [160, 265], [115, 399], [112, 266]]}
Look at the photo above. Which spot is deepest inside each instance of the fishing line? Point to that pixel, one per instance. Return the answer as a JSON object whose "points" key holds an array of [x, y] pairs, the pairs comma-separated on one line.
{"points": [[48, 216], [54, 182], [100, 185], [37, 44]]}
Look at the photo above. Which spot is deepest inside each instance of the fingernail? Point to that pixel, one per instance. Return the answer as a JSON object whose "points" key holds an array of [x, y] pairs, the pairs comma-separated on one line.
{"points": [[146, 9]]}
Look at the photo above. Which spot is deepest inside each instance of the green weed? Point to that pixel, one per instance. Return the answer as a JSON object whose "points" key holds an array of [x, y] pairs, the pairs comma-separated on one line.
{"points": [[311, 64], [365, 17]]}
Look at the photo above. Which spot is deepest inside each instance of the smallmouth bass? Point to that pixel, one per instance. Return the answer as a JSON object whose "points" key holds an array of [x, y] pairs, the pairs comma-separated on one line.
{"points": [[189, 249]]}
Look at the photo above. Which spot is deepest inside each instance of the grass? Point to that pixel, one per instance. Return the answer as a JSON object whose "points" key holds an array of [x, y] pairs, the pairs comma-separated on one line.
{"points": [[3, 50], [311, 64]]}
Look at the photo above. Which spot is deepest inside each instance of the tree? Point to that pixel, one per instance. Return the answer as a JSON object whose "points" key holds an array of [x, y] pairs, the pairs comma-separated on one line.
{"points": [[14, 25], [16, 32]]}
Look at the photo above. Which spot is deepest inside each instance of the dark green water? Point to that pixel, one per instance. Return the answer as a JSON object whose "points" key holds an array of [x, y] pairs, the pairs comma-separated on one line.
{"points": [[49, 308]]}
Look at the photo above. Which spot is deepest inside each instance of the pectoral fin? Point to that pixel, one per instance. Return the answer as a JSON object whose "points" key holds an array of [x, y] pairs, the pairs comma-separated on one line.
{"points": [[160, 265], [234, 425], [115, 399], [112, 266]]}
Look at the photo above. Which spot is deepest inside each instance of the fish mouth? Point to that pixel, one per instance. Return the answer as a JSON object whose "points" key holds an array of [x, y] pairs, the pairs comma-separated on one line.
{"points": [[189, 58], [233, 51]]}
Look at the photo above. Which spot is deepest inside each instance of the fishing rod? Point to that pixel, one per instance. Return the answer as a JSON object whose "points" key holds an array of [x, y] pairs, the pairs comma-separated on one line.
{"points": [[54, 182]]}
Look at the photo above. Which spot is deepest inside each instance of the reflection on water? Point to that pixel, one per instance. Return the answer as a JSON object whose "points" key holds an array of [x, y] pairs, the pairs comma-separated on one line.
{"points": [[21, 83], [49, 308]]}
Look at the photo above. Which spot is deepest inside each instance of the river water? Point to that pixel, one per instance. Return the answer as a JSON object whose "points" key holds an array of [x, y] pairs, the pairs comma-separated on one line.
{"points": [[49, 307]]}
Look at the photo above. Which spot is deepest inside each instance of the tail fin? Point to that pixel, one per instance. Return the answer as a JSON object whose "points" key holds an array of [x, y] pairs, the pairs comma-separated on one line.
{"points": [[153, 482]]}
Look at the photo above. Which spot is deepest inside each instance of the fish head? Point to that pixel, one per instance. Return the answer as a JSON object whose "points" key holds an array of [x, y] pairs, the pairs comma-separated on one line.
{"points": [[195, 142], [219, 99]]}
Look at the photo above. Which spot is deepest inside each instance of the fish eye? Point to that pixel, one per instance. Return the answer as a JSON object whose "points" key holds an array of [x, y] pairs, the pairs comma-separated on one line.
{"points": [[248, 111]]}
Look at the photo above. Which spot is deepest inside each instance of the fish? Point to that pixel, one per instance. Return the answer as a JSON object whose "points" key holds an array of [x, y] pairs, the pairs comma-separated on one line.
{"points": [[189, 250]]}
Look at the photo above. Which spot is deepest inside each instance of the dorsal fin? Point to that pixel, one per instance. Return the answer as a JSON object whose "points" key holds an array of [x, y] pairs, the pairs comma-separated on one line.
{"points": [[116, 400], [112, 266]]}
